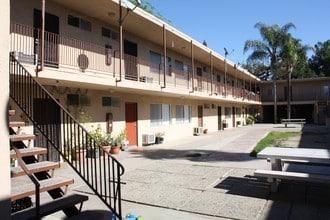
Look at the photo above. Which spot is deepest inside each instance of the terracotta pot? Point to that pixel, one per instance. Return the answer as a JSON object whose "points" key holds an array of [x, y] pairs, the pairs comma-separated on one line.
{"points": [[78, 154], [115, 150]]}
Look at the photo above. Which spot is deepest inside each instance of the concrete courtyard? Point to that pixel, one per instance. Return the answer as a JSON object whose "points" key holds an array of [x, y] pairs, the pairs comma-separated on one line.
{"points": [[211, 177]]}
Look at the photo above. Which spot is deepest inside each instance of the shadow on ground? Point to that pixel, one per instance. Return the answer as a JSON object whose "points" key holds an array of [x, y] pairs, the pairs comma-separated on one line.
{"points": [[193, 155]]}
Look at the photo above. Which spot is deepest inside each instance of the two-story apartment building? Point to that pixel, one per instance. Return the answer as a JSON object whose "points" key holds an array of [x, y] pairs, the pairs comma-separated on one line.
{"points": [[139, 74], [309, 100], [119, 67]]}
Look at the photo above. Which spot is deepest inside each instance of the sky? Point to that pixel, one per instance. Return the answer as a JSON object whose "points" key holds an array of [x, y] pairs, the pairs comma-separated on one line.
{"points": [[228, 24]]}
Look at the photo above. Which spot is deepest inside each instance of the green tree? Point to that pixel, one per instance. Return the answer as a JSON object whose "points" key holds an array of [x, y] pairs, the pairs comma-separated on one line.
{"points": [[268, 51], [290, 57], [148, 7], [320, 61]]}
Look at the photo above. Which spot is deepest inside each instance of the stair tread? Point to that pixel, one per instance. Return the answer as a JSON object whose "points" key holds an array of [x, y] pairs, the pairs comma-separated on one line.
{"points": [[35, 168], [51, 206], [13, 124], [11, 112], [22, 186], [29, 152], [21, 137]]}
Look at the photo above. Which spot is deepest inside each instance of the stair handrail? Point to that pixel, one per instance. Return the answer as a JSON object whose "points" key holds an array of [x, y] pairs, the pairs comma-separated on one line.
{"points": [[110, 169], [32, 178]]}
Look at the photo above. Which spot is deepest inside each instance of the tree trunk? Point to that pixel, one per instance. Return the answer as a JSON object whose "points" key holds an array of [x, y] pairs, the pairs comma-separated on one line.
{"points": [[289, 93], [275, 99]]}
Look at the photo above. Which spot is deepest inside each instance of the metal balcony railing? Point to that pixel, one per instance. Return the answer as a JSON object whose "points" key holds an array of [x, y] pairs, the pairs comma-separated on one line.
{"points": [[61, 132], [66, 52]]}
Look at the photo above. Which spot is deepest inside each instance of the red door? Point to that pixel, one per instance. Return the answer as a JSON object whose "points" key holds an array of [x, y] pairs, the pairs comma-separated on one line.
{"points": [[131, 123]]}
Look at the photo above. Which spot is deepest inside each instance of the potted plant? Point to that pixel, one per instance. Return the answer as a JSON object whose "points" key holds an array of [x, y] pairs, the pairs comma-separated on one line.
{"points": [[103, 139], [123, 140], [250, 120], [159, 137], [106, 144], [115, 145]]}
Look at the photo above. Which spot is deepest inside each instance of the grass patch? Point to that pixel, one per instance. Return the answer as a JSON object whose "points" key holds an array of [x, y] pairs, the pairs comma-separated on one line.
{"points": [[272, 139]]}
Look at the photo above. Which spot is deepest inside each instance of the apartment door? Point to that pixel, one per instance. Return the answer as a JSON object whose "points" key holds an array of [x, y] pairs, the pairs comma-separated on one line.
{"points": [[234, 115], [46, 113], [219, 118], [51, 37], [131, 123], [130, 60], [321, 113], [200, 116], [199, 73]]}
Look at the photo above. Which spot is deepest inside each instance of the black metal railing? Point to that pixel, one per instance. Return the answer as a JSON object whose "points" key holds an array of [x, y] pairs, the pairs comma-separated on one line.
{"points": [[60, 131]]}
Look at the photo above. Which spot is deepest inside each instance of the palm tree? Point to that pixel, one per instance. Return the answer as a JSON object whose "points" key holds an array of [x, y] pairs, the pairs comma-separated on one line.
{"points": [[268, 51], [292, 52]]}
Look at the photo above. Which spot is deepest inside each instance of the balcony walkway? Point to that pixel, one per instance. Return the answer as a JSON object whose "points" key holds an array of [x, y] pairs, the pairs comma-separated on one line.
{"points": [[211, 177]]}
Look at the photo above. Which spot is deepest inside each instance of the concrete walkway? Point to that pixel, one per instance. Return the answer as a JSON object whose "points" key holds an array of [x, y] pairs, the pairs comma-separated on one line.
{"points": [[208, 177]]}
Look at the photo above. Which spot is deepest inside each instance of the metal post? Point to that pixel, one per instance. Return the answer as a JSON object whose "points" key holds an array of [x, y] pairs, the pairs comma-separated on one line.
{"points": [[165, 58], [42, 52]]}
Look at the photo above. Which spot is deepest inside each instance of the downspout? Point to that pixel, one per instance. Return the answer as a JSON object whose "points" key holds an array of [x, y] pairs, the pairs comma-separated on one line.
{"points": [[120, 21], [211, 65], [192, 66], [165, 58]]}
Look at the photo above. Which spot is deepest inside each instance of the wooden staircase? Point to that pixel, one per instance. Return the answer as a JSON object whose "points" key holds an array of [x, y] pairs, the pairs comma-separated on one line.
{"points": [[28, 167]]}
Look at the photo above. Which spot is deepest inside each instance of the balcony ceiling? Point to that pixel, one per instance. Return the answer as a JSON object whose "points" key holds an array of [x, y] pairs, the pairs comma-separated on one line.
{"points": [[146, 26]]}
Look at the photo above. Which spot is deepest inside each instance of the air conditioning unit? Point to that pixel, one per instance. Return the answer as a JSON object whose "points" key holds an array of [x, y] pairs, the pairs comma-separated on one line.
{"points": [[198, 130], [148, 139]]}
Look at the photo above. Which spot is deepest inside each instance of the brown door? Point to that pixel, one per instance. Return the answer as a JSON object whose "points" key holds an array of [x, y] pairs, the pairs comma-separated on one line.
{"points": [[46, 114], [200, 116], [131, 52], [51, 37], [131, 123]]}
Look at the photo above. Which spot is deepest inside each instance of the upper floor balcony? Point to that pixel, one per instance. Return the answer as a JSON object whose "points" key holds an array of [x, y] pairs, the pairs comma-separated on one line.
{"points": [[302, 91], [67, 54]]}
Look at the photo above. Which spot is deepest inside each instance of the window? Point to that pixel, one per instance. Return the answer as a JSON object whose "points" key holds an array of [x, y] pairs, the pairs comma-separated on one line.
{"points": [[72, 99], [78, 100], [155, 61], [106, 101], [73, 21], [238, 112], [160, 114], [110, 101], [106, 32], [179, 65], [326, 89], [228, 112], [79, 23], [183, 114]]}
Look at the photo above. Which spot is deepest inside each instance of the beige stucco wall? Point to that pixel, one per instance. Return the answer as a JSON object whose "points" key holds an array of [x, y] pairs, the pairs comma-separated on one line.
{"points": [[97, 112], [102, 83], [4, 89]]}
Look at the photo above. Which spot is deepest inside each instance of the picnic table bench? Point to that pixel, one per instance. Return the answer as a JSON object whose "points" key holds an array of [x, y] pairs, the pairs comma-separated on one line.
{"points": [[280, 155], [287, 121]]}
